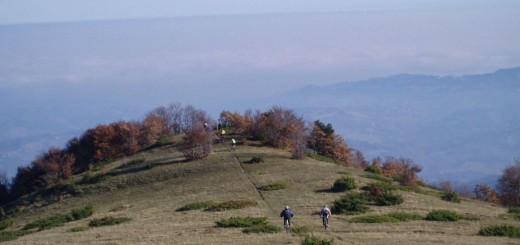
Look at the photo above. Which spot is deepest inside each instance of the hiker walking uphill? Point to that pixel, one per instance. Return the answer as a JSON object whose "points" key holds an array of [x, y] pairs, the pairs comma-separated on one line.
{"points": [[286, 214]]}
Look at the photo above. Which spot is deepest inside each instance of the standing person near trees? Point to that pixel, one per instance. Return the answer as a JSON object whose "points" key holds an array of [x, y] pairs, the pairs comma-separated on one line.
{"points": [[233, 144], [325, 215], [222, 133]]}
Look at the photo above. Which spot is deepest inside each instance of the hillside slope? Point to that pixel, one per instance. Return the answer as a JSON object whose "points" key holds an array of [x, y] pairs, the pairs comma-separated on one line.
{"points": [[155, 183]]}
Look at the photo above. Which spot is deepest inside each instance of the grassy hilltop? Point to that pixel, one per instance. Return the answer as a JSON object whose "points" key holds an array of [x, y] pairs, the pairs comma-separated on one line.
{"points": [[148, 190]]}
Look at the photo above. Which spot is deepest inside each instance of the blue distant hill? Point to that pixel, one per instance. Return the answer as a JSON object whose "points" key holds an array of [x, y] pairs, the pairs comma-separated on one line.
{"points": [[463, 129]]}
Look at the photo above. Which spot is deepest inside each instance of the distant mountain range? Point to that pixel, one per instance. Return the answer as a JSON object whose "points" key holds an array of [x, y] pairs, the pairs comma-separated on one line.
{"points": [[464, 129]]}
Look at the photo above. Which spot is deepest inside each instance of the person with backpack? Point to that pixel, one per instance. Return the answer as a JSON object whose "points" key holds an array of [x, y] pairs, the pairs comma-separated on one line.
{"points": [[286, 214], [325, 215]]}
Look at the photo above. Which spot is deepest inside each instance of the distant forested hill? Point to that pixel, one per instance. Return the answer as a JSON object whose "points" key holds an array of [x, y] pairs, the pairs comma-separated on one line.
{"points": [[463, 129]]}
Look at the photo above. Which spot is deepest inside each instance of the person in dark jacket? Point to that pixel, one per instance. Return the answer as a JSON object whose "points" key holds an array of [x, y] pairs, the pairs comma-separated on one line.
{"points": [[286, 214]]}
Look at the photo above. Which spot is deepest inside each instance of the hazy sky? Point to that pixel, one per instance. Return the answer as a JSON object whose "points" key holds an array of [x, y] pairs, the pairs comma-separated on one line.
{"points": [[216, 54], [36, 11]]}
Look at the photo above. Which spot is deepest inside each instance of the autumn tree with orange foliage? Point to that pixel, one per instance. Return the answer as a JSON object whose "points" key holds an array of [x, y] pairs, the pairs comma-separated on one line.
{"points": [[403, 170], [198, 142], [153, 127], [235, 120], [51, 167], [325, 142], [486, 194]]}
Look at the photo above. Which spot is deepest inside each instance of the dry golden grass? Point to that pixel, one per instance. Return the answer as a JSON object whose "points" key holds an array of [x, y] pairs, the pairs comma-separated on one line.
{"points": [[151, 196]]}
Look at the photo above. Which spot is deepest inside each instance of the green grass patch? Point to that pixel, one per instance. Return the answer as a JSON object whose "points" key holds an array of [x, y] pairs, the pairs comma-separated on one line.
{"points": [[109, 220], [162, 141], [388, 199], [443, 215], [377, 177], [301, 230], [251, 224], [501, 230], [242, 222], [233, 204], [5, 224], [451, 196], [265, 228], [320, 157], [12, 235], [514, 210], [374, 219], [401, 216], [274, 186], [386, 218], [197, 205], [312, 240], [60, 219]]}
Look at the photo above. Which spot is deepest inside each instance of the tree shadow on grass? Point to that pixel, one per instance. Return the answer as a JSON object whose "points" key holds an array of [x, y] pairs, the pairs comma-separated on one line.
{"points": [[328, 190], [144, 167]]}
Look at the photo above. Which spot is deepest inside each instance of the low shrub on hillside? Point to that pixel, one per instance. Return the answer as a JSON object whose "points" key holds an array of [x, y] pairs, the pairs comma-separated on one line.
{"points": [[443, 215], [274, 186], [344, 184], [196, 152], [380, 194], [5, 224], [251, 224], [514, 210], [197, 205], [374, 170], [108, 221], [501, 230], [241, 222], [60, 219], [312, 240], [256, 159], [222, 206], [451, 196], [12, 235], [388, 199], [378, 188], [374, 219], [351, 203], [405, 216]]}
